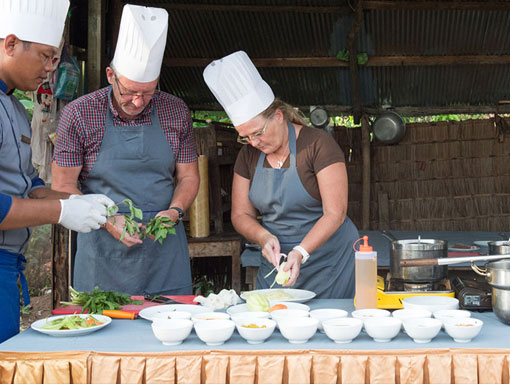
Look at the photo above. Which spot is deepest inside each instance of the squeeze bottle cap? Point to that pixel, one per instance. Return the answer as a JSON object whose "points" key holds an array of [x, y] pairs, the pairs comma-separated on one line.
{"points": [[365, 247]]}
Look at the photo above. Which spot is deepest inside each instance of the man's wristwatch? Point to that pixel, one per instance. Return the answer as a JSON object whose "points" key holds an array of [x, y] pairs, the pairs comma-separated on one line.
{"points": [[181, 214]]}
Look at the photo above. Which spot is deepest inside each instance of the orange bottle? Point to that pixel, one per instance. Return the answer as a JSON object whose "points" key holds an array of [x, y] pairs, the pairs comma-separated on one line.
{"points": [[366, 276]]}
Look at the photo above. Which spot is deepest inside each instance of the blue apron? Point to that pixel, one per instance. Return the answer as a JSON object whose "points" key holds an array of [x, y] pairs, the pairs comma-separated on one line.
{"points": [[134, 162], [289, 212], [16, 174]]}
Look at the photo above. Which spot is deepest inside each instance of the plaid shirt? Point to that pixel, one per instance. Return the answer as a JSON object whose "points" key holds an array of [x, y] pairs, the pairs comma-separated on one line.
{"points": [[82, 122]]}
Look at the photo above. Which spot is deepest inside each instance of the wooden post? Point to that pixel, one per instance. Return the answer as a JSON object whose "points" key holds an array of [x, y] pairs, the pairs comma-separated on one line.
{"points": [[365, 152], [353, 61], [95, 48], [59, 265]]}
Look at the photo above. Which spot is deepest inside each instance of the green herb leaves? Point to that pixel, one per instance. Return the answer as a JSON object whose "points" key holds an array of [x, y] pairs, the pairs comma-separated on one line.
{"points": [[98, 300], [159, 227]]}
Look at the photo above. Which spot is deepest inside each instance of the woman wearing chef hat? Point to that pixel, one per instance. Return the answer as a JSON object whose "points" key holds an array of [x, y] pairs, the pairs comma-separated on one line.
{"points": [[294, 176], [30, 32]]}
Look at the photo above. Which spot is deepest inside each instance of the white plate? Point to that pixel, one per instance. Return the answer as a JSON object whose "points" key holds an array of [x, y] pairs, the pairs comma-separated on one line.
{"points": [[472, 249], [298, 295], [430, 303], [240, 308], [147, 313], [36, 326]]}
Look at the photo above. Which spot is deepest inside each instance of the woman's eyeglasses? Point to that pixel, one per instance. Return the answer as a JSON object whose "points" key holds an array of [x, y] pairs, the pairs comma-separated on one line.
{"points": [[127, 95], [247, 139]]}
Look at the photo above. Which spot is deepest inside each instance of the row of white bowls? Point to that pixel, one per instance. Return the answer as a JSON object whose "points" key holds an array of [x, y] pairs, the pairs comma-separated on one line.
{"points": [[299, 325]]}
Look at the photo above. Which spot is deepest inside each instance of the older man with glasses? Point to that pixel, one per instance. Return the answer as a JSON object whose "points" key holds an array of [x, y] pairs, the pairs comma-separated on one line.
{"points": [[133, 142]]}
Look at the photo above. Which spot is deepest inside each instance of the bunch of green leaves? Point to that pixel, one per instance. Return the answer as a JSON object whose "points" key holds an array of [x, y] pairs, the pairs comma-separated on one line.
{"points": [[98, 300], [160, 227], [131, 225], [71, 322]]}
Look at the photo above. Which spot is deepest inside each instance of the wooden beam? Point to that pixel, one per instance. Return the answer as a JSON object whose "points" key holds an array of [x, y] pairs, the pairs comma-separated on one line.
{"points": [[342, 10], [438, 5], [353, 61], [403, 111], [365, 188], [95, 48], [373, 61]]}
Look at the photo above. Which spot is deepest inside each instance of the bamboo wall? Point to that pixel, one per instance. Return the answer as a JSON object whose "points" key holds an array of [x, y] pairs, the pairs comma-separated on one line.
{"points": [[441, 176]]}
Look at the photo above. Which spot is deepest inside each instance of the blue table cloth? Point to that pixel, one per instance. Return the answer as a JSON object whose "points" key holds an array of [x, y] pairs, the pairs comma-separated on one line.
{"points": [[137, 336]]}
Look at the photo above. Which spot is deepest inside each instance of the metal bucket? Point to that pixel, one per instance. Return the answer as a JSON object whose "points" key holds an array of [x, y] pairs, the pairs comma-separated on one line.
{"points": [[497, 274]]}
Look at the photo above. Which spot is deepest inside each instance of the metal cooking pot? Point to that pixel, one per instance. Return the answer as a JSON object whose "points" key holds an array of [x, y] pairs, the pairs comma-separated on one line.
{"points": [[417, 249], [389, 127], [499, 247], [497, 274]]}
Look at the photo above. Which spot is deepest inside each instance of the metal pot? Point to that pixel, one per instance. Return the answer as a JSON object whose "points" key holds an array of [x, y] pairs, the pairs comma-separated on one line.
{"points": [[499, 247], [389, 127], [417, 249], [497, 274]]}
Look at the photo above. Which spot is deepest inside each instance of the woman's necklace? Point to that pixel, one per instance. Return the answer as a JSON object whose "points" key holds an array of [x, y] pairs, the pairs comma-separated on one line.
{"points": [[279, 163]]}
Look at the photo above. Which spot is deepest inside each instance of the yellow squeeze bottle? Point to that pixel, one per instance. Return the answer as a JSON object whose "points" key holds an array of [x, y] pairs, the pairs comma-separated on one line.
{"points": [[366, 276]]}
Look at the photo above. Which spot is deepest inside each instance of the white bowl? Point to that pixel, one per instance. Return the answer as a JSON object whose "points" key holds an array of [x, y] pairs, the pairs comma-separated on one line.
{"points": [[422, 330], [264, 329], [404, 314], [298, 330], [430, 303], [326, 314], [171, 331], [249, 315], [289, 313], [447, 314], [342, 330], [172, 315], [462, 330], [289, 305], [214, 332], [210, 316], [365, 314], [382, 329]]}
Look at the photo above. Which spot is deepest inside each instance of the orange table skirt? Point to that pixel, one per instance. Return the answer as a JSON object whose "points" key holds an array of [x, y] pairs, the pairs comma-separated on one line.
{"points": [[296, 366]]}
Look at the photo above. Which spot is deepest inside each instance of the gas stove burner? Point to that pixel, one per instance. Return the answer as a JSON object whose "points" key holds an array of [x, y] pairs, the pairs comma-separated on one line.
{"points": [[418, 287]]}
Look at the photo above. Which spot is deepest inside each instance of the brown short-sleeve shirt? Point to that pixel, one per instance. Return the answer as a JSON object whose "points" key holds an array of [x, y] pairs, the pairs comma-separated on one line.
{"points": [[316, 149]]}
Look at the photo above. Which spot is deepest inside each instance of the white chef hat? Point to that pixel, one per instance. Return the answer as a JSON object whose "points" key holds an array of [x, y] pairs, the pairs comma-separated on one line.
{"points": [[141, 43], [36, 21], [238, 87]]}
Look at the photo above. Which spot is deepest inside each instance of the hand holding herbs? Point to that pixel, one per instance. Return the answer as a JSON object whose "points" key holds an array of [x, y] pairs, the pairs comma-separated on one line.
{"points": [[98, 300], [158, 228]]}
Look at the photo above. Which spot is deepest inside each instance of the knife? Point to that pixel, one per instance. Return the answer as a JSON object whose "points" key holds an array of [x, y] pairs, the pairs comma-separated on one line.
{"points": [[159, 299]]}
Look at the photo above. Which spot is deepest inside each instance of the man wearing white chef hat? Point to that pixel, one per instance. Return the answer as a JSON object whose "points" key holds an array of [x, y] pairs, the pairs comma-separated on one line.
{"points": [[131, 141], [30, 32], [294, 176]]}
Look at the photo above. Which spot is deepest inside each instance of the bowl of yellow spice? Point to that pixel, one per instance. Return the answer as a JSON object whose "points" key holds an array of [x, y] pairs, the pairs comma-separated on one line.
{"points": [[255, 331]]}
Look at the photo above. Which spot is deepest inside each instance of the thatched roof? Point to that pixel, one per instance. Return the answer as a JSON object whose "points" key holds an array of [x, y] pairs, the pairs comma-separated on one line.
{"points": [[423, 56]]}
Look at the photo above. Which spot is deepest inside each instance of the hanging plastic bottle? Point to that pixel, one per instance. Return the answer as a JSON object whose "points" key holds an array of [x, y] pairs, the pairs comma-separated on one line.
{"points": [[366, 275]]}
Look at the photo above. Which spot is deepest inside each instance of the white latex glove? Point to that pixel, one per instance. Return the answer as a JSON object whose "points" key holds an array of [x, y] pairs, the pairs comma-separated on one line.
{"points": [[81, 215], [95, 197]]}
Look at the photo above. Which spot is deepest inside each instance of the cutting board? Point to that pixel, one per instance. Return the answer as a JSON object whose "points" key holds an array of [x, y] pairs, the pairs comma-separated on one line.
{"points": [[133, 308]]}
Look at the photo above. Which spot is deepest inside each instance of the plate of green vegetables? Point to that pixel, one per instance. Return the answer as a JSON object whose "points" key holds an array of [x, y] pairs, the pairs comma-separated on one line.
{"points": [[71, 325]]}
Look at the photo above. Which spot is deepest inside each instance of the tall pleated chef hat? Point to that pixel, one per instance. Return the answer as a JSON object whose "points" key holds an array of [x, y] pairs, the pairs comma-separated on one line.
{"points": [[36, 21], [141, 43], [238, 87]]}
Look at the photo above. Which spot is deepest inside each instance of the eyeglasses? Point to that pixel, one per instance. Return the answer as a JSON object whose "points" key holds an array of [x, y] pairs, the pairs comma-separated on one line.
{"points": [[247, 139], [130, 94]]}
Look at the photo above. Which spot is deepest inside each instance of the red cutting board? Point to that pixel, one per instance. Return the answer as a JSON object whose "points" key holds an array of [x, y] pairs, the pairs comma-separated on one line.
{"points": [[133, 308]]}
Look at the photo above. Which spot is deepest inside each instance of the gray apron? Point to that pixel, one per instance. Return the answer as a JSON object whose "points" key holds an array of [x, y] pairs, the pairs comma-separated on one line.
{"points": [[136, 163], [289, 212]]}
